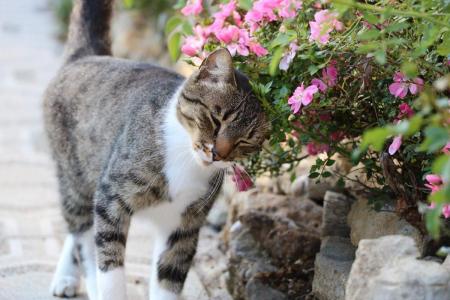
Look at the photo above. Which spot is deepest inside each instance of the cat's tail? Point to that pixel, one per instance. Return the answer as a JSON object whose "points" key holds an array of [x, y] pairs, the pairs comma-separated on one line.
{"points": [[89, 29]]}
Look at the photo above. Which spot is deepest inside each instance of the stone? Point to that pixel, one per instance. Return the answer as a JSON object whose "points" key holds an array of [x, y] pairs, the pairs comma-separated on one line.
{"points": [[411, 279], [280, 238], [335, 210], [272, 242], [255, 290], [303, 212], [371, 256], [304, 186], [245, 261], [332, 268], [446, 263], [366, 223]]}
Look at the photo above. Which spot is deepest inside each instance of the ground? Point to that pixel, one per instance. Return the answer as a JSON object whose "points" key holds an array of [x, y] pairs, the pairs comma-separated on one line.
{"points": [[31, 228]]}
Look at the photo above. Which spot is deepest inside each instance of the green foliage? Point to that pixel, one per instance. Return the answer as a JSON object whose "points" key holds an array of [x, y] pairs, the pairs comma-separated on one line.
{"points": [[358, 117]]}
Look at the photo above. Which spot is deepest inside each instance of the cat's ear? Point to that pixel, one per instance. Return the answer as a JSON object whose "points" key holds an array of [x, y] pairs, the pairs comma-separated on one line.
{"points": [[218, 67]]}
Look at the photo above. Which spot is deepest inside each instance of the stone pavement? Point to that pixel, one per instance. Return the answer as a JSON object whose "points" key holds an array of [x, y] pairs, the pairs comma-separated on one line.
{"points": [[31, 228]]}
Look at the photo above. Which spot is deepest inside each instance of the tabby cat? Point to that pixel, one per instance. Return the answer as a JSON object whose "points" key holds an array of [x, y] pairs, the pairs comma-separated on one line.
{"points": [[131, 139]]}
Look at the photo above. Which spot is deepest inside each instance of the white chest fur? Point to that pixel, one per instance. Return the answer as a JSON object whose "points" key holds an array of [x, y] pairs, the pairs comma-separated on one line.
{"points": [[187, 179]]}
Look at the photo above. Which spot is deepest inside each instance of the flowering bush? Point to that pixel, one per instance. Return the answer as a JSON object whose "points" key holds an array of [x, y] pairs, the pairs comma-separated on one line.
{"points": [[342, 77]]}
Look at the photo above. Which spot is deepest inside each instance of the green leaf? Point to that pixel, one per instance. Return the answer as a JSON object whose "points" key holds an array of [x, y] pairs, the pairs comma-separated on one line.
{"points": [[174, 45], [326, 174], [433, 221], [171, 24], [330, 162], [441, 166], [396, 27], [371, 18], [180, 4], [380, 56], [415, 123], [368, 35], [275, 61], [435, 139], [314, 175], [444, 48], [128, 3], [342, 7], [410, 69], [313, 69], [186, 28], [375, 137], [369, 47], [245, 4], [340, 183]]}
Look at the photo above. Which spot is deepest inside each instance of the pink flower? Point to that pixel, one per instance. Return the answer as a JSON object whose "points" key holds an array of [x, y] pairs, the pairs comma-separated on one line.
{"points": [[324, 22], [405, 110], [401, 85], [241, 44], [446, 148], [337, 136], [194, 44], [288, 9], [446, 211], [271, 10], [257, 48], [302, 97], [288, 57], [241, 179], [395, 145], [191, 46], [416, 86], [434, 182], [329, 78], [226, 10], [193, 7], [228, 34], [314, 149]]}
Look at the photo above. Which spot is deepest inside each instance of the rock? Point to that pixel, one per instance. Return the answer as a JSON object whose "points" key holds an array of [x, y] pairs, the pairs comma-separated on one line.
{"points": [[303, 212], [332, 268], [282, 239], [272, 242], [411, 279], [245, 261], [371, 257], [335, 210], [304, 186], [366, 223], [446, 263], [255, 290]]}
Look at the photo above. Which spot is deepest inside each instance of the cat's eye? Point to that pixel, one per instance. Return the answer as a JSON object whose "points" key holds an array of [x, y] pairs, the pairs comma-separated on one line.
{"points": [[244, 143]]}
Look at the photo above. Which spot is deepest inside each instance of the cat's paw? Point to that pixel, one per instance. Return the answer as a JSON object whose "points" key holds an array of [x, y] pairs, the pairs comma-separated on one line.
{"points": [[65, 286]]}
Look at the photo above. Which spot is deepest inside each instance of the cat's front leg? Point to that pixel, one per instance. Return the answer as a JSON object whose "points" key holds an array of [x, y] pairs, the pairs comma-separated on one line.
{"points": [[112, 220], [172, 258]]}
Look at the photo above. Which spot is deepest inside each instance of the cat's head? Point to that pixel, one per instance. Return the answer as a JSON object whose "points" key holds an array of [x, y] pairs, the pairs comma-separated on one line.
{"points": [[222, 115]]}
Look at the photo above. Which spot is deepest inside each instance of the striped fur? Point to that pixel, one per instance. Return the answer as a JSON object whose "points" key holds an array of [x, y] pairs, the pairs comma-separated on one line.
{"points": [[133, 139]]}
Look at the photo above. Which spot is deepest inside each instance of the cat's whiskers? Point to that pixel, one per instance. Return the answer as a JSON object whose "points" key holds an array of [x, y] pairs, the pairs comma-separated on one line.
{"points": [[211, 192]]}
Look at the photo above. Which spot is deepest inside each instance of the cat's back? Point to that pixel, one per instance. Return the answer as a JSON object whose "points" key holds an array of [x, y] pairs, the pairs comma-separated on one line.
{"points": [[94, 99]]}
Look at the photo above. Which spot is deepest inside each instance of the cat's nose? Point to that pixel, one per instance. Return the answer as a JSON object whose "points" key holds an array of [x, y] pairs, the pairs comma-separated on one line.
{"points": [[222, 148]]}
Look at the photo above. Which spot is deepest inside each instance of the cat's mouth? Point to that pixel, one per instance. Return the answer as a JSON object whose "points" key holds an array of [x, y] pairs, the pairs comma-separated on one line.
{"points": [[203, 153]]}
